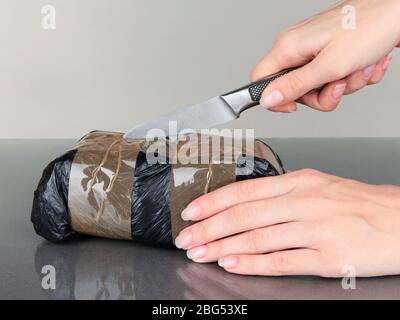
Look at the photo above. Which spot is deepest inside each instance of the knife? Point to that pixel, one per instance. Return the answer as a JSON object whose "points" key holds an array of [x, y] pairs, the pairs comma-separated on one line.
{"points": [[213, 112]]}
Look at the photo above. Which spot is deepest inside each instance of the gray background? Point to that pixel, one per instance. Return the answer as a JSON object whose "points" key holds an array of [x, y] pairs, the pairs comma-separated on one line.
{"points": [[114, 63]]}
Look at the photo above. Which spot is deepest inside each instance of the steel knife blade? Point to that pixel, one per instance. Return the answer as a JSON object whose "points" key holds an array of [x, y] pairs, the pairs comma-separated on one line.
{"points": [[208, 114]]}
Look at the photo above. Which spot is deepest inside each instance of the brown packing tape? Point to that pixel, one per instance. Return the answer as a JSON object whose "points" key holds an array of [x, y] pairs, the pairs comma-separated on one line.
{"points": [[100, 185], [199, 180], [190, 181]]}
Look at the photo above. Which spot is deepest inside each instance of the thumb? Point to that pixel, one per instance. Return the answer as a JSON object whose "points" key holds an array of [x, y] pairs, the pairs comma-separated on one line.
{"points": [[297, 83]]}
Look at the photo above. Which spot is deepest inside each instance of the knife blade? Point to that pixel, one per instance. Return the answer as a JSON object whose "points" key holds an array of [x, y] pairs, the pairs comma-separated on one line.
{"points": [[208, 114]]}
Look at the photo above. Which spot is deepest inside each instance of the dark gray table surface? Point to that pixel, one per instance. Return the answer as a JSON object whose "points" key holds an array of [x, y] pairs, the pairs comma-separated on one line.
{"points": [[109, 269]]}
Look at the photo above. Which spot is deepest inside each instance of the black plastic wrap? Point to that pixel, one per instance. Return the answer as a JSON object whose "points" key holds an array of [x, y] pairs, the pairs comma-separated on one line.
{"points": [[262, 168], [50, 204], [151, 216]]}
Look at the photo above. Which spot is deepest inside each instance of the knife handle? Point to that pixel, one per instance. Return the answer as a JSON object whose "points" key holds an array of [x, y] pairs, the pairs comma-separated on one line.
{"points": [[256, 89], [250, 95]]}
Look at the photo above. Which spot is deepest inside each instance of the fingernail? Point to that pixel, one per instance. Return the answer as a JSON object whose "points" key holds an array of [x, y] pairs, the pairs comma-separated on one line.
{"points": [[184, 239], [339, 91], [190, 213], [228, 262], [367, 72], [197, 253], [275, 98], [387, 62]]}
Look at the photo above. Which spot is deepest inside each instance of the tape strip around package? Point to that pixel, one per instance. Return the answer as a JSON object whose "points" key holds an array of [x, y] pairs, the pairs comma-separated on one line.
{"points": [[100, 187], [106, 186], [190, 181], [198, 177]]}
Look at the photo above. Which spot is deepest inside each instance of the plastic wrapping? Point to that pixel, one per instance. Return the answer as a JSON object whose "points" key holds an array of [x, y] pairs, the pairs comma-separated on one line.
{"points": [[106, 186], [49, 215], [100, 187]]}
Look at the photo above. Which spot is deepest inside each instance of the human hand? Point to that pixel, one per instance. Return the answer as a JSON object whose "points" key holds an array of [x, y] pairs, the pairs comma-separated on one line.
{"points": [[339, 60], [300, 223]]}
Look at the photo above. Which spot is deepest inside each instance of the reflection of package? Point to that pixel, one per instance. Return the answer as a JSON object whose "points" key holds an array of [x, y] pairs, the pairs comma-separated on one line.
{"points": [[111, 187], [129, 272]]}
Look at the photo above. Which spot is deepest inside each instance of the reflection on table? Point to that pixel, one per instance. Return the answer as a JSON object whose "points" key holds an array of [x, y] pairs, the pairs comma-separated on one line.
{"points": [[131, 271]]}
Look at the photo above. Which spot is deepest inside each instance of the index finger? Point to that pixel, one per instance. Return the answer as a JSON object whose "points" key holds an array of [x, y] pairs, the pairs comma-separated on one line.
{"points": [[238, 192]]}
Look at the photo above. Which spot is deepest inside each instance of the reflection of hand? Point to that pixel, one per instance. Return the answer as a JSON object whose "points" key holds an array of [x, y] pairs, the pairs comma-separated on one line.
{"points": [[344, 60], [303, 222], [205, 282]]}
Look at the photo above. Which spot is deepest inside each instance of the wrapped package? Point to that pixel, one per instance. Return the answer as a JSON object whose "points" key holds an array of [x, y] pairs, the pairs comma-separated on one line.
{"points": [[110, 187]]}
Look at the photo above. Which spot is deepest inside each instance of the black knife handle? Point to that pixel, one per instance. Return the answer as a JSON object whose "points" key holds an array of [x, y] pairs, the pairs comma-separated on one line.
{"points": [[256, 88], [250, 95]]}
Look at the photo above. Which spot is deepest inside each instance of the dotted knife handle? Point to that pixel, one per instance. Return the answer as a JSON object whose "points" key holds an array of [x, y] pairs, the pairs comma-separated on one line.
{"points": [[256, 89]]}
